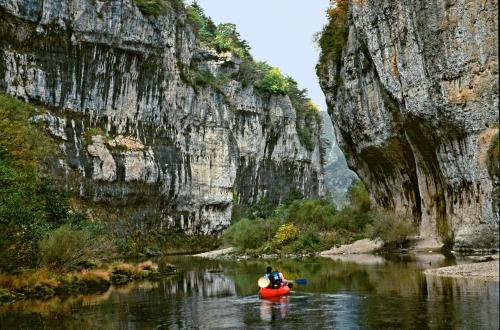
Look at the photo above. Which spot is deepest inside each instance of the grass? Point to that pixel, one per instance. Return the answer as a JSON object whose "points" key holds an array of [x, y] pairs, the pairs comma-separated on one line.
{"points": [[91, 132], [44, 282], [41, 276]]}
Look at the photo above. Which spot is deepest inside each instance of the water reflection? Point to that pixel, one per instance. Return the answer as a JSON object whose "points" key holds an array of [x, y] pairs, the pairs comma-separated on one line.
{"points": [[370, 292], [272, 309]]}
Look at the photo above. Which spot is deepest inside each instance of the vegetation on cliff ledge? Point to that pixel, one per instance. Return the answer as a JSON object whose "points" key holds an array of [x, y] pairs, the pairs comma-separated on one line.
{"points": [[156, 7], [334, 35], [309, 225], [267, 80], [492, 157], [333, 38]]}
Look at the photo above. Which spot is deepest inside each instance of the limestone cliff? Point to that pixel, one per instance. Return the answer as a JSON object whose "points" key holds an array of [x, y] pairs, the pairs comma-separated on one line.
{"points": [[139, 143], [414, 100]]}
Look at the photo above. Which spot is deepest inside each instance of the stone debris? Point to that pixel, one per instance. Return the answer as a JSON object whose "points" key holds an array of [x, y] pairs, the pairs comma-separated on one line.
{"points": [[362, 246], [486, 270]]}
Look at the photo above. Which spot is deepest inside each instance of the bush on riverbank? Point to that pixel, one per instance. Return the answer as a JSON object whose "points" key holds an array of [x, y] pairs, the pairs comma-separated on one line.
{"points": [[68, 246], [303, 225]]}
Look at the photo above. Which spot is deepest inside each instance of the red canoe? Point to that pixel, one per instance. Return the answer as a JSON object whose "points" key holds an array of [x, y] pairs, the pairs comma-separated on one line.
{"points": [[270, 293]]}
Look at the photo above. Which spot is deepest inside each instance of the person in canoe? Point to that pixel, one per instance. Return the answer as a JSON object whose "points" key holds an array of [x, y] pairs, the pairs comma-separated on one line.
{"points": [[267, 275], [277, 279]]}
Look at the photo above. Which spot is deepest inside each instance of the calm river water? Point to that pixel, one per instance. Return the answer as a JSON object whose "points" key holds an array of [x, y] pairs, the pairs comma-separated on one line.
{"points": [[367, 292]]}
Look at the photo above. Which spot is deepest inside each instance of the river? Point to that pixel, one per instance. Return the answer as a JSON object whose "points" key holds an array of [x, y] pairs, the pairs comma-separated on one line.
{"points": [[364, 292]]}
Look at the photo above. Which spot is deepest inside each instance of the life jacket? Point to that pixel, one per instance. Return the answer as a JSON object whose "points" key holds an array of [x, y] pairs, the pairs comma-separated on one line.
{"points": [[275, 279]]}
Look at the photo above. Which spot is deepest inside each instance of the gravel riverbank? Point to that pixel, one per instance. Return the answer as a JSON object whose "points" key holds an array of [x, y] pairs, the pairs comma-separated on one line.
{"points": [[485, 270]]}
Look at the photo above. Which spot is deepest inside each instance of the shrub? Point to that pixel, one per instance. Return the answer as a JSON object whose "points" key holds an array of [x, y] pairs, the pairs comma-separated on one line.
{"points": [[351, 220], [23, 144], [291, 196], [68, 246], [286, 233], [227, 39], [334, 35], [310, 240], [313, 212], [91, 132], [157, 7], [250, 234], [492, 157], [203, 25], [203, 78], [274, 82], [358, 196], [223, 37], [262, 209], [390, 228]]}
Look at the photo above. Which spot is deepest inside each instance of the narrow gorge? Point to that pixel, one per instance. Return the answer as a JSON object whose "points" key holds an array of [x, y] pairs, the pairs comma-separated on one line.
{"points": [[412, 89]]}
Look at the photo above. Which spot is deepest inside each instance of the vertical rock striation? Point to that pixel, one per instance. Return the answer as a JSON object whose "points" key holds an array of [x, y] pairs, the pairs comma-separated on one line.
{"points": [[414, 101], [138, 142]]}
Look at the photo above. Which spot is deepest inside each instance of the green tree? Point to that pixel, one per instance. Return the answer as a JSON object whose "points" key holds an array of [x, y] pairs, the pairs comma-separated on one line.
{"points": [[274, 82], [204, 26], [358, 196], [22, 204], [228, 39]]}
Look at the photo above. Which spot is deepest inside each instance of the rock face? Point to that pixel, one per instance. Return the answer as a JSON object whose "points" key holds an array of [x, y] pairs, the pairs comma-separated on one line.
{"points": [[414, 101], [338, 176], [138, 142]]}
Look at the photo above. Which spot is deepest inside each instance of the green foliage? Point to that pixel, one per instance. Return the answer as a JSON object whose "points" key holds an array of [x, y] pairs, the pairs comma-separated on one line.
{"points": [[22, 143], [22, 203], [390, 228], [223, 37], [286, 233], [358, 196], [30, 205], [203, 78], [334, 35], [250, 234], [262, 209], [91, 132], [492, 157], [157, 7], [203, 25], [274, 82], [310, 241], [69, 246], [313, 212], [309, 225], [293, 195], [227, 39]]}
